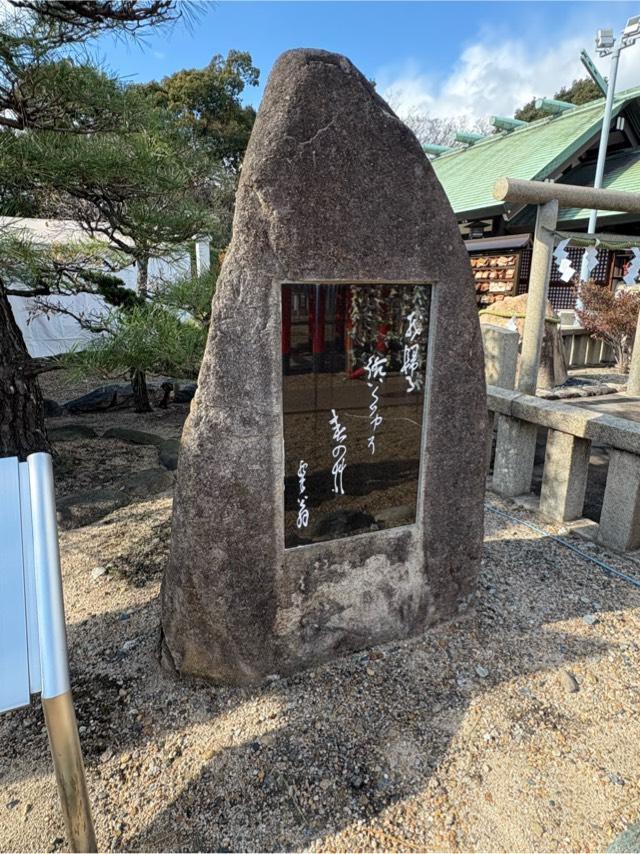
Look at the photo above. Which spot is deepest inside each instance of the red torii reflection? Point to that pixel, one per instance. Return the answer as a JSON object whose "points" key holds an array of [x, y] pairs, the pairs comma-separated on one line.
{"points": [[327, 307]]}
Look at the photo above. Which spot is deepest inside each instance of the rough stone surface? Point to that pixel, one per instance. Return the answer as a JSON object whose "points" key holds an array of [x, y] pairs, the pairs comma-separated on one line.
{"points": [[83, 508], [628, 842], [71, 432], [553, 365], [620, 516], [333, 187], [112, 396], [515, 455], [138, 437], [148, 482], [52, 408], [168, 453], [500, 347], [564, 482]]}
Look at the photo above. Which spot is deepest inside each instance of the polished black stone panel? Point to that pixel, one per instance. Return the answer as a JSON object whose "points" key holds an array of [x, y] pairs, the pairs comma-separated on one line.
{"points": [[354, 366]]}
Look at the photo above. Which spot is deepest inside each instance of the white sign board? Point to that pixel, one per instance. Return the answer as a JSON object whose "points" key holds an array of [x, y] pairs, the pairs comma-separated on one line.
{"points": [[33, 652], [14, 653]]}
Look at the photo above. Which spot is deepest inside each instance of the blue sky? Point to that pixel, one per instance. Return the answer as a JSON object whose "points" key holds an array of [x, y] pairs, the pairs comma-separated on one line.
{"points": [[441, 58]]}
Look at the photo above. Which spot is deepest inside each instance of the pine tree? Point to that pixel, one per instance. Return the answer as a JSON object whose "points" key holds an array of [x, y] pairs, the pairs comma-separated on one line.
{"points": [[165, 334], [47, 86], [579, 92]]}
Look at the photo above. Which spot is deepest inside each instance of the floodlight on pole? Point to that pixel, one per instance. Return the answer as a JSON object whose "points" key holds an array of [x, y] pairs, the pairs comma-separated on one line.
{"points": [[604, 40], [632, 30], [606, 46]]}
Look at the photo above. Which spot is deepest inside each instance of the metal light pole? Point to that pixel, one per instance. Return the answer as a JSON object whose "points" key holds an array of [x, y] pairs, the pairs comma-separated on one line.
{"points": [[606, 46]]}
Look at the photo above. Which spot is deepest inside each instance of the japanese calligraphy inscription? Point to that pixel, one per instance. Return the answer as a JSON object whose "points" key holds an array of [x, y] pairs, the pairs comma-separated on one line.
{"points": [[354, 377]]}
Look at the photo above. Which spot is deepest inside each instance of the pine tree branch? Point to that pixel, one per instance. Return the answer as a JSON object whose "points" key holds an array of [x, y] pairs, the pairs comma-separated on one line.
{"points": [[84, 322]]}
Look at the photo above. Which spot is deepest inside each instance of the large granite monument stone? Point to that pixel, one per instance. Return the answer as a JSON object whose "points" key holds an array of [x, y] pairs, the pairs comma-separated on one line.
{"points": [[331, 473]]}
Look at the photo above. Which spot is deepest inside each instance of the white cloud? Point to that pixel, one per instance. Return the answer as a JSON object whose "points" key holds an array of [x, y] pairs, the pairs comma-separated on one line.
{"points": [[495, 76]]}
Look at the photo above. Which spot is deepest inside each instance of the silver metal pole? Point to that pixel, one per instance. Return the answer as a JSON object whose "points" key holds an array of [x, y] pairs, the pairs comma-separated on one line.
{"points": [[604, 142], [56, 694], [533, 331]]}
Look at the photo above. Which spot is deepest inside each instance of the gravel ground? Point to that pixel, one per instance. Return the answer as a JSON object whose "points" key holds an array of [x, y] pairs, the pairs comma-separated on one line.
{"points": [[472, 737]]}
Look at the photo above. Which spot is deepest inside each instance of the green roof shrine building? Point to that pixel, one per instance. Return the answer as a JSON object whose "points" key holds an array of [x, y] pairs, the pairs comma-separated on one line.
{"points": [[563, 148]]}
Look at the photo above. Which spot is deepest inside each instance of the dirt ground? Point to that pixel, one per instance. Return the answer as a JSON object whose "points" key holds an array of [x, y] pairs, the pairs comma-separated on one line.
{"points": [[471, 737]]}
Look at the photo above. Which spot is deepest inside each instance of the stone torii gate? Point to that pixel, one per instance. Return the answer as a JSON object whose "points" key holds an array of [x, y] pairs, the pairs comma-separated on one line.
{"points": [[515, 470]]}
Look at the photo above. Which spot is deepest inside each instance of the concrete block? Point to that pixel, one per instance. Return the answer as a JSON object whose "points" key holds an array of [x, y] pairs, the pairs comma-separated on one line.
{"points": [[515, 452], [564, 479], [527, 501], [585, 528], [500, 355], [620, 518], [579, 350]]}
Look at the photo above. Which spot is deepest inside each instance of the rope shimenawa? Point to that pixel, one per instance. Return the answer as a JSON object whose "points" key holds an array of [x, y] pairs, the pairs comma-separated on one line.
{"points": [[609, 570]]}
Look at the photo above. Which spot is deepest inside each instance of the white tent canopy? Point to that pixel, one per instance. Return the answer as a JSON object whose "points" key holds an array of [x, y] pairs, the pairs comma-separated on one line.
{"points": [[51, 334]]}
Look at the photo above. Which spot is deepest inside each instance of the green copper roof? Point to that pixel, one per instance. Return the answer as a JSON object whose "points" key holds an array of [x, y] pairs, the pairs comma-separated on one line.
{"points": [[622, 172], [536, 151]]}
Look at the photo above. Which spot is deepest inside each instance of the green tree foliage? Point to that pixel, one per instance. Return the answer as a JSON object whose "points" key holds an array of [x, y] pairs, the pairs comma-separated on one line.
{"points": [[132, 165], [47, 80], [191, 296], [579, 92], [48, 86], [47, 271], [163, 335], [146, 339], [142, 169], [145, 193], [206, 103]]}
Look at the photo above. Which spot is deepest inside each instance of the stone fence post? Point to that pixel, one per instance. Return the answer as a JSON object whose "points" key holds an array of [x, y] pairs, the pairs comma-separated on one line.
{"points": [[500, 366], [570, 431], [203, 256], [633, 386]]}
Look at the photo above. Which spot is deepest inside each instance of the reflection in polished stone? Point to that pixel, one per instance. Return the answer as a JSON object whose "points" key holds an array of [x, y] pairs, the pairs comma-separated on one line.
{"points": [[354, 362]]}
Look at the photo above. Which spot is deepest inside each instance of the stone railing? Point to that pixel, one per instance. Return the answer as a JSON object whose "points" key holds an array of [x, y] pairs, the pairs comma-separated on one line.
{"points": [[583, 351], [571, 430]]}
